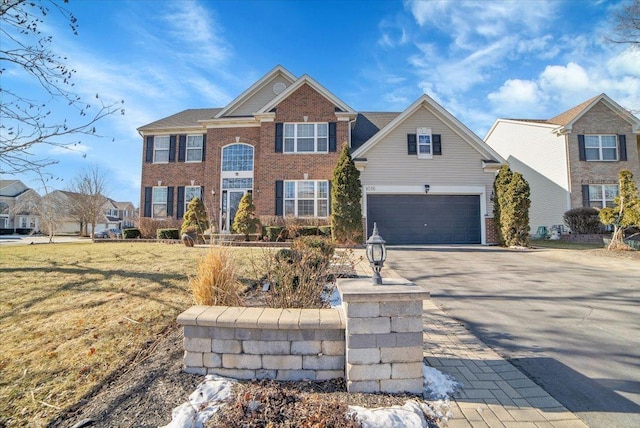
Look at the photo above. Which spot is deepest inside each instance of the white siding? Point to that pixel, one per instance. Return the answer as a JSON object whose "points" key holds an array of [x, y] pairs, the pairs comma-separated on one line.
{"points": [[458, 170], [533, 150], [259, 99]]}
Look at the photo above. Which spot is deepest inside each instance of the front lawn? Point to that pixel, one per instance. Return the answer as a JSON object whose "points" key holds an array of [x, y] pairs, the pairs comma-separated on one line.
{"points": [[563, 245], [71, 314]]}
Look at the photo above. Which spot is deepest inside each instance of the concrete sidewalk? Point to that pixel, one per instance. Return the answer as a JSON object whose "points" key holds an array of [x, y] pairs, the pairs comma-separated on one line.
{"points": [[494, 393]]}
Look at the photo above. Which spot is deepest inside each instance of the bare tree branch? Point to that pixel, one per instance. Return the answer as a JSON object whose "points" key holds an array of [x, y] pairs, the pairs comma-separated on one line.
{"points": [[627, 24], [24, 121]]}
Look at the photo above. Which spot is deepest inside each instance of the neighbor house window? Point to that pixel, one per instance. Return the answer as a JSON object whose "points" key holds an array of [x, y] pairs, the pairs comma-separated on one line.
{"points": [[306, 137], [161, 149], [425, 147], [159, 202], [194, 148], [191, 192], [602, 195], [601, 147], [306, 198]]}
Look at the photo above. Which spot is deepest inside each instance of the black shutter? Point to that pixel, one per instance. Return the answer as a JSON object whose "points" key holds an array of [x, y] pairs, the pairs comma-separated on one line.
{"points": [[182, 148], [279, 197], [148, 157], [412, 145], [622, 145], [279, 137], [581, 149], [204, 145], [329, 200], [437, 144], [172, 148], [333, 144], [169, 201], [202, 193], [147, 201], [585, 195], [180, 207]]}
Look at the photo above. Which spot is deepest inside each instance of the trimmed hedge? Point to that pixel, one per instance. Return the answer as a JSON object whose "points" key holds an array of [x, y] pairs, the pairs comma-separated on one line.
{"points": [[131, 233], [583, 220], [168, 234], [272, 233]]}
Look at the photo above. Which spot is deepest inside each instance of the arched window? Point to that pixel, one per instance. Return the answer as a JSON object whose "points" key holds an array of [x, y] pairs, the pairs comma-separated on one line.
{"points": [[237, 157]]}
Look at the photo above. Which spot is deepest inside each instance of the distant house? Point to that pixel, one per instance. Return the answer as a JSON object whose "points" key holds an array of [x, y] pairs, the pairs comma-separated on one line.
{"points": [[426, 177], [126, 212], [571, 160], [16, 208]]}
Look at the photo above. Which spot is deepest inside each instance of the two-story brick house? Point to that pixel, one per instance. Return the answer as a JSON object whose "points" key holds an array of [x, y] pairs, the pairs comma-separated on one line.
{"points": [[280, 140], [573, 159]]}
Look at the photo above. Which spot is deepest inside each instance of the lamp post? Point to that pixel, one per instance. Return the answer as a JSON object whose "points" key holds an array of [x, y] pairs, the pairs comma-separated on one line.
{"points": [[377, 254]]}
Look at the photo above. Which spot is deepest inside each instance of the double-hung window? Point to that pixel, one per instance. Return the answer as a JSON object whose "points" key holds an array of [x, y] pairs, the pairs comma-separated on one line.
{"points": [[602, 195], [159, 202], [306, 198], [601, 147], [306, 137], [425, 143], [191, 192], [161, 146], [194, 148]]}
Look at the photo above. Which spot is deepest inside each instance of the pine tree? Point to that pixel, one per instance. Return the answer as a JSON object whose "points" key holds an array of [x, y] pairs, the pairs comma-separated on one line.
{"points": [[626, 212], [195, 219], [515, 212], [346, 191], [245, 221]]}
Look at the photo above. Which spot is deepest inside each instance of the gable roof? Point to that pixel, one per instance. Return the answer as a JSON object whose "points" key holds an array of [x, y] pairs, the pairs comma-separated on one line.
{"points": [[430, 104], [367, 124], [185, 119], [278, 70], [569, 117], [306, 79]]}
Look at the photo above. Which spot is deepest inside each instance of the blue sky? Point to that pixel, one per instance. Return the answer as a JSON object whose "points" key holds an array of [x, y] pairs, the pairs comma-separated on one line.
{"points": [[479, 59]]}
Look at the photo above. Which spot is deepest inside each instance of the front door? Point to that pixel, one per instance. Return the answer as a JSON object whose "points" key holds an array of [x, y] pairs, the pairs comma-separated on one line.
{"points": [[230, 201]]}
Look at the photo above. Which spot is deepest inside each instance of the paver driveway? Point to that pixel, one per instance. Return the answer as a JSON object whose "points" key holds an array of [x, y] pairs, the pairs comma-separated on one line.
{"points": [[569, 319]]}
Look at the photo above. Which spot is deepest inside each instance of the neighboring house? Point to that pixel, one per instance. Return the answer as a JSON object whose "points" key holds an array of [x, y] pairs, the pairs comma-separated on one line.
{"points": [[573, 159], [280, 141], [126, 213], [16, 207]]}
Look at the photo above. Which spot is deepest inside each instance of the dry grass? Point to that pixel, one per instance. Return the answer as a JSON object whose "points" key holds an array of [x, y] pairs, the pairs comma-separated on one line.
{"points": [[217, 280], [71, 314]]}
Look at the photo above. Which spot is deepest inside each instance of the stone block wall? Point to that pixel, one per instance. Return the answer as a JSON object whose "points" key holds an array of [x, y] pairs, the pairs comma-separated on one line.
{"points": [[259, 343]]}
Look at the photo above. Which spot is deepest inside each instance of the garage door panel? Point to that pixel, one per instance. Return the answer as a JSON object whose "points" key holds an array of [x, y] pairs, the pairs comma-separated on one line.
{"points": [[426, 219]]}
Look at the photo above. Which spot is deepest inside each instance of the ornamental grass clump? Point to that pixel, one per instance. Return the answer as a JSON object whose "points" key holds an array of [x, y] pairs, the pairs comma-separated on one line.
{"points": [[217, 279]]}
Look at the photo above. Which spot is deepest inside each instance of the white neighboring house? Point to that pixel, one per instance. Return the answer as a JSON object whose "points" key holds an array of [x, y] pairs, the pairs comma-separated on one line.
{"points": [[571, 160], [15, 215]]}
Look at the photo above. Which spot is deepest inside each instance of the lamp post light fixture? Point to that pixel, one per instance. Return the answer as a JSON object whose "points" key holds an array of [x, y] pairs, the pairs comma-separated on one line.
{"points": [[377, 254]]}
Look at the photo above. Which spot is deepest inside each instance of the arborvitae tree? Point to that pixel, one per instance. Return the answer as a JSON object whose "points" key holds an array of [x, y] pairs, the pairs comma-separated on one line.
{"points": [[514, 215], [195, 219], [346, 191], [245, 221], [626, 212], [500, 184]]}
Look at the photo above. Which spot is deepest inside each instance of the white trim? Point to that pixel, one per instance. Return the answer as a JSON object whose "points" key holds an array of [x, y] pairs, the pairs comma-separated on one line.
{"points": [[434, 190], [315, 85], [454, 124], [257, 86]]}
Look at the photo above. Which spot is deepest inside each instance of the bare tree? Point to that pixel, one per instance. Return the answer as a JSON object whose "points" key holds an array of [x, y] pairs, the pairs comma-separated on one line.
{"points": [[26, 120], [89, 186], [50, 209], [626, 22]]}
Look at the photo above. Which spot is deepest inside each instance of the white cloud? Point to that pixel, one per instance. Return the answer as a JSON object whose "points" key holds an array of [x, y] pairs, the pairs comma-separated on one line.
{"points": [[516, 98], [572, 78]]}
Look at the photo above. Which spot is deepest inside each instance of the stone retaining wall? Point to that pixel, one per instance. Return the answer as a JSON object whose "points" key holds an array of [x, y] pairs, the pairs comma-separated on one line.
{"points": [[258, 343]]}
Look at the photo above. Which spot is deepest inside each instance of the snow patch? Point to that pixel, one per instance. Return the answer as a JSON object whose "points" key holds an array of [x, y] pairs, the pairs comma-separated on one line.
{"points": [[206, 400], [438, 385]]}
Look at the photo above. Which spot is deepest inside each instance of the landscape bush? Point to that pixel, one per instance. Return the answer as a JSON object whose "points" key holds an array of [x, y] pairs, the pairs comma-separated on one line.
{"points": [[297, 276], [168, 234], [149, 226], [131, 233], [583, 220], [217, 280]]}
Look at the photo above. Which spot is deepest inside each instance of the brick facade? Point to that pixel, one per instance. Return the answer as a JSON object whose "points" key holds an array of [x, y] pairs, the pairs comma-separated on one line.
{"points": [[599, 120]]}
